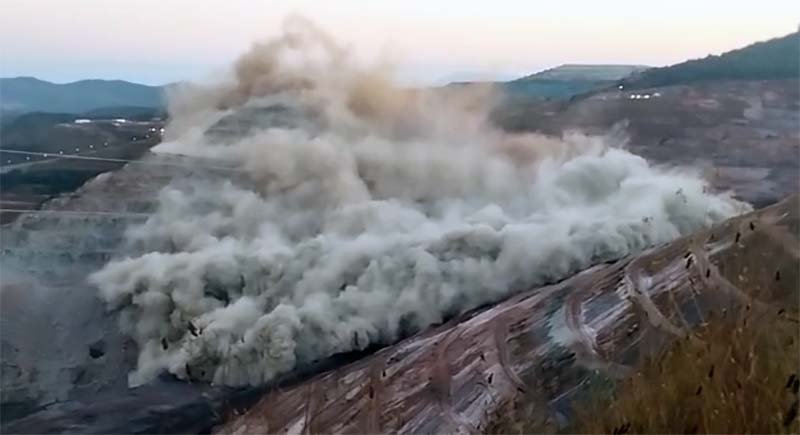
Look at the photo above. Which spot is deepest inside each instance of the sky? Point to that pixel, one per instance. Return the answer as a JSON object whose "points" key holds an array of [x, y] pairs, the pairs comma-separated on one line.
{"points": [[428, 41]]}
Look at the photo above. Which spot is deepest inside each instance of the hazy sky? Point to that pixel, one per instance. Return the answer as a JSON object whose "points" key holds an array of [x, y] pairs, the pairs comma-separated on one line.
{"points": [[157, 41]]}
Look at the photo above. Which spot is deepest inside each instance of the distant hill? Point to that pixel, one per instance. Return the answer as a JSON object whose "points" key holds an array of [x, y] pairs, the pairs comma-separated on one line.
{"points": [[28, 94], [551, 89], [586, 72], [565, 81], [777, 58], [135, 113]]}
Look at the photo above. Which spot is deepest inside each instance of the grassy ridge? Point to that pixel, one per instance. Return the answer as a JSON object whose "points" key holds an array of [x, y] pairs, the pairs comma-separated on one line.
{"points": [[730, 376]]}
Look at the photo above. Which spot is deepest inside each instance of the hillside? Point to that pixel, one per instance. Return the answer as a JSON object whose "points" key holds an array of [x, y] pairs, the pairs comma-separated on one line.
{"points": [[586, 72], [565, 81], [29, 179], [562, 82], [28, 94], [51, 131], [744, 133], [777, 58]]}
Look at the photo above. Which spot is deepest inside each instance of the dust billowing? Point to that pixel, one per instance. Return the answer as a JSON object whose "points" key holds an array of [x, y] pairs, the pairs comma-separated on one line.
{"points": [[366, 212]]}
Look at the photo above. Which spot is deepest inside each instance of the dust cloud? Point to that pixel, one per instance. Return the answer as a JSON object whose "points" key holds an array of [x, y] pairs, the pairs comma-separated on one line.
{"points": [[365, 212]]}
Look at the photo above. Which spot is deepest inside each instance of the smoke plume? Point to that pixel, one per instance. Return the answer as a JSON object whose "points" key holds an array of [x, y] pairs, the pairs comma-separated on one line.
{"points": [[364, 212]]}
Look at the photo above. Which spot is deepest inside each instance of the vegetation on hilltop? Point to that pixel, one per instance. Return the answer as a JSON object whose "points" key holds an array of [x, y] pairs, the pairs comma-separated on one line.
{"points": [[777, 58]]}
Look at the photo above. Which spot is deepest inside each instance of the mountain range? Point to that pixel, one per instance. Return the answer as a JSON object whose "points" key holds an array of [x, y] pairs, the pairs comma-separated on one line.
{"points": [[29, 94]]}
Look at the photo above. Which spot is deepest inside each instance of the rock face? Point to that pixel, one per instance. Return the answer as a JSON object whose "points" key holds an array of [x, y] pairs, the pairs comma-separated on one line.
{"points": [[548, 342]]}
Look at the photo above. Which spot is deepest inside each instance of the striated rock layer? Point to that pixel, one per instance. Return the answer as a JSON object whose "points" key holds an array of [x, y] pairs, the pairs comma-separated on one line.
{"points": [[549, 342]]}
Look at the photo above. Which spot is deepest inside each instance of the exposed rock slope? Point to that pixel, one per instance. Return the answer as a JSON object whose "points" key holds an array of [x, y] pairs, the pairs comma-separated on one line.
{"points": [[547, 342]]}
